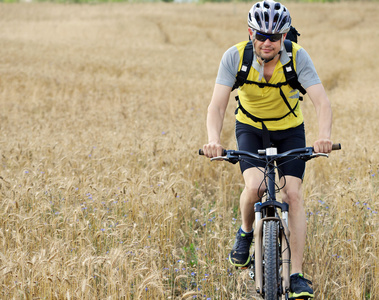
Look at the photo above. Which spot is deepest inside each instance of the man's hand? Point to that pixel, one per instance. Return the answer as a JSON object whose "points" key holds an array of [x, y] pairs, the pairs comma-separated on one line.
{"points": [[212, 150], [323, 146]]}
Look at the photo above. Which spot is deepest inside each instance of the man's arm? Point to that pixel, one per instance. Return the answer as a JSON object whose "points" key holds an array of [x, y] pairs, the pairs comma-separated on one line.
{"points": [[215, 119], [323, 108]]}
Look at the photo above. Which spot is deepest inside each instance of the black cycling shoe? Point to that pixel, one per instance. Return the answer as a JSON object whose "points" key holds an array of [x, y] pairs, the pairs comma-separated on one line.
{"points": [[299, 287], [240, 254]]}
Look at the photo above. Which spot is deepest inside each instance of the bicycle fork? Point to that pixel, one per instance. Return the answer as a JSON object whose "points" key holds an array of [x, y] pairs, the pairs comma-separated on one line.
{"points": [[258, 255], [268, 212]]}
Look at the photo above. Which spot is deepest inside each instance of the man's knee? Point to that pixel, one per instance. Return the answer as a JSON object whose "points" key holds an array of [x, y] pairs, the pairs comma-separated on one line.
{"points": [[254, 184], [292, 192], [254, 191], [292, 196]]}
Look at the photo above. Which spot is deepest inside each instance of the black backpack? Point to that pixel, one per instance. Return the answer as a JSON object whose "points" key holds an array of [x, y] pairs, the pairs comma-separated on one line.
{"points": [[290, 75]]}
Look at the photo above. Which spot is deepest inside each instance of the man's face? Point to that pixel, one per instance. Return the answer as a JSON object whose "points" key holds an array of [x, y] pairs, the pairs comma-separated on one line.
{"points": [[267, 46]]}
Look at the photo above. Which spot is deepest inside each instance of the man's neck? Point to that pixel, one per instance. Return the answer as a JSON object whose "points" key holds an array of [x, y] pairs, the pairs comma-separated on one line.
{"points": [[271, 63]]}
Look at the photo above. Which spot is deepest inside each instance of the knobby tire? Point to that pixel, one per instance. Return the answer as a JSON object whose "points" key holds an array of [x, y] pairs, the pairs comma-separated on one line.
{"points": [[271, 261]]}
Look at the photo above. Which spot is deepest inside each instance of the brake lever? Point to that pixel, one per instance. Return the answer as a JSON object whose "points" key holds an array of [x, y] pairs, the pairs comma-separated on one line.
{"points": [[320, 154], [314, 155], [219, 158], [228, 157]]}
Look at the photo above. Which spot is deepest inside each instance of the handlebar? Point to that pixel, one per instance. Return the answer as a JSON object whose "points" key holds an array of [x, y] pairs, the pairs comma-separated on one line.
{"points": [[305, 153]]}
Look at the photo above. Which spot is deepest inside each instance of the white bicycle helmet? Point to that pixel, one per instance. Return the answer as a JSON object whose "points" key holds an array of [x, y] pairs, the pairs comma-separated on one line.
{"points": [[269, 17]]}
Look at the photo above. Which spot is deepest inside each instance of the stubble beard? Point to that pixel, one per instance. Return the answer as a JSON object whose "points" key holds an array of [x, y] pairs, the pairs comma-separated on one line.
{"points": [[265, 56]]}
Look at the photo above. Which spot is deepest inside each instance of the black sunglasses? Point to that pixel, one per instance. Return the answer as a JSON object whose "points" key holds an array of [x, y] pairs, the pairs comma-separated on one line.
{"points": [[272, 37]]}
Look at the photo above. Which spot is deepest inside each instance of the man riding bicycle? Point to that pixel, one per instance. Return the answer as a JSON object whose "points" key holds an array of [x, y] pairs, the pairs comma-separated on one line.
{"points": [[269, 116]]}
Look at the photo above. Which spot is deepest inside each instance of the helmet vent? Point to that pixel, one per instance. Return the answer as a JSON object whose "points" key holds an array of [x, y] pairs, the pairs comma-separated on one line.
{"points": [[258, 19], [267, 17], [276, 17], [284, 21]]}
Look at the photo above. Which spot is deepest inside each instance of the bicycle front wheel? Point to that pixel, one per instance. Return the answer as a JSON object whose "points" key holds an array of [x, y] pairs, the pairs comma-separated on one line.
{"points": [[271, 260]]}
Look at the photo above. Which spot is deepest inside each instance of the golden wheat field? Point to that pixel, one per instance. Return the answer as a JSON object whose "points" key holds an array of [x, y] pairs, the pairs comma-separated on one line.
{"points": [[102, 193]]}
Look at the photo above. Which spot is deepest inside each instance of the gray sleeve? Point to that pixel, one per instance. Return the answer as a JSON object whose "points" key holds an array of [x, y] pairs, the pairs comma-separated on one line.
{"points": [[228, 68], [306, 71]]}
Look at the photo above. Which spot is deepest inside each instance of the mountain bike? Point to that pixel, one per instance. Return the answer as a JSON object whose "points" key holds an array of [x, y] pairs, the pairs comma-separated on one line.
{"points": [[270, 262]]}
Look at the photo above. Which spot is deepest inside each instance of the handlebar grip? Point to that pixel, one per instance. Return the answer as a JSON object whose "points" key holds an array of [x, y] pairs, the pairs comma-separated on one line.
{"points": [[201, 152], [336, 146]]}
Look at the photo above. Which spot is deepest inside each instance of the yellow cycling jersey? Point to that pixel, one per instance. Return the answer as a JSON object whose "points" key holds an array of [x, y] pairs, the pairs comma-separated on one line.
{"points": [[266, 102]]}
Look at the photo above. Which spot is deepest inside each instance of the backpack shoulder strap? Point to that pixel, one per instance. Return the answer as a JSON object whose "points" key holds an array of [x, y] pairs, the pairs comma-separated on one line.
{"points": [[247, 61], [289, 70]]}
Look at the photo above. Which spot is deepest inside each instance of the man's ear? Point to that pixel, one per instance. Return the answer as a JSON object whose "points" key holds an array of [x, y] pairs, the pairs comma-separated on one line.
{"points": [[251, 32]]}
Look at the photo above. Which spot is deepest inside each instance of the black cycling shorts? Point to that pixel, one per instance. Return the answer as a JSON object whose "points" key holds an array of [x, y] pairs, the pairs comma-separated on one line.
{"points": [[249, 139]]}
